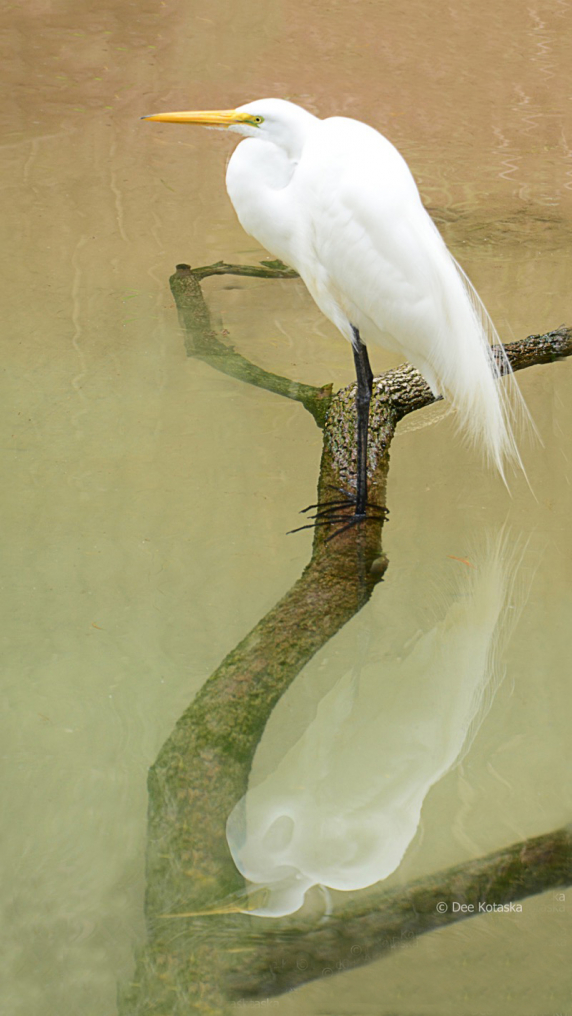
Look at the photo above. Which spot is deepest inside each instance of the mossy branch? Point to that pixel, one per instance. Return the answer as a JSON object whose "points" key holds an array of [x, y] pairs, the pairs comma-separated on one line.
{"points": [[378, 921], [268, 269], [200, 964], [203, 343]]}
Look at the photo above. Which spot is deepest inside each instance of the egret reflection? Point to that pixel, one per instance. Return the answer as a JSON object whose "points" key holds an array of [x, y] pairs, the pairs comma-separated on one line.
{"points": [[344, 803]]}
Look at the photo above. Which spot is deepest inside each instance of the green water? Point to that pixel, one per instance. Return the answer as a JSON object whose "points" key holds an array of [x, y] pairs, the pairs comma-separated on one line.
{"points": [[146, 497]]}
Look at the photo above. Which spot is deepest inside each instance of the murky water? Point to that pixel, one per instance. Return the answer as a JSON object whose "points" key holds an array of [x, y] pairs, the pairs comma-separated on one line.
{"points": [[146, 497]]}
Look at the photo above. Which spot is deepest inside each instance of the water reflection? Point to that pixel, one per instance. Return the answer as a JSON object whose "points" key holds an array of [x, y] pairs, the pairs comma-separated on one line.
{"points": [[162, 524], [344, 803]]}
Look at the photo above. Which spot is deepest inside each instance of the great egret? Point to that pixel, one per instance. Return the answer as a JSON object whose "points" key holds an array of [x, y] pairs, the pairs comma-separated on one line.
{"points": [[336, 201]]}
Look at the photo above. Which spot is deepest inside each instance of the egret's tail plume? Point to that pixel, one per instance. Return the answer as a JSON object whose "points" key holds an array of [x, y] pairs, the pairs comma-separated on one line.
{"points": [[481, 383]]}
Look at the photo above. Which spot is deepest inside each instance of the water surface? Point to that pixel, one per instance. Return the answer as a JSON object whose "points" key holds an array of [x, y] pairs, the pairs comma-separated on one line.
{"points": [[146, 497]]}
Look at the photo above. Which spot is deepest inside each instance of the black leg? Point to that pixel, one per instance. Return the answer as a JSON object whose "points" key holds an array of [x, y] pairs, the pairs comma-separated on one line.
{"points": [[363, 398], [331, 513]]}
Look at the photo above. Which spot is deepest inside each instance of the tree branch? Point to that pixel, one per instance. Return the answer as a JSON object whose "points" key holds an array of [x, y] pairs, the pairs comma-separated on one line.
{"points": [[268, 269], [378, 921], [202, 342], [198, 964]]}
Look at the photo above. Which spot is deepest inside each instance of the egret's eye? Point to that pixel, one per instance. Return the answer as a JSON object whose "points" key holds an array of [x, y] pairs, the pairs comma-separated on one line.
{"points": [[257, 119]]}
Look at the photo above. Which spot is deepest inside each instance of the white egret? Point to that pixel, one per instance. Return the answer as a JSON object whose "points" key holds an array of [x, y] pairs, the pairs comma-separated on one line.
{"points": [[336, 201]]}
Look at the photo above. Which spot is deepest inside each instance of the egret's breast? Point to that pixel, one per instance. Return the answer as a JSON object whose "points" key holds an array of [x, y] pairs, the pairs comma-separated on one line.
{"points": [[257, 180]]}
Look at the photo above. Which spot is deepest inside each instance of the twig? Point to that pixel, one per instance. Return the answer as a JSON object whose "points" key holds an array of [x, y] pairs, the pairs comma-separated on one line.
{"points": [[269, 270]]}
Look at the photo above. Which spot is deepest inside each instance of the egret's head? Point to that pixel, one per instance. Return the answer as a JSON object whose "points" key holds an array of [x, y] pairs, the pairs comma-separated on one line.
{"points": [[268, 119]]}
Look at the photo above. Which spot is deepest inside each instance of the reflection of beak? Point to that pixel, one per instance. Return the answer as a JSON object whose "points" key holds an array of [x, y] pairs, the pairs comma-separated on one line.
{"points": [[236, 903], [208, 118]]}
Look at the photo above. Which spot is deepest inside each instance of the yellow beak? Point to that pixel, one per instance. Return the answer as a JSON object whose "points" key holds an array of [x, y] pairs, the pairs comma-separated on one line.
{"points": [[208, 118]]}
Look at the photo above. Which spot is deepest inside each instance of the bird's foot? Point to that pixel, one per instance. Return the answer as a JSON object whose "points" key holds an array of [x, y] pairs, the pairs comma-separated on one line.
{"points": [[331, 513]]}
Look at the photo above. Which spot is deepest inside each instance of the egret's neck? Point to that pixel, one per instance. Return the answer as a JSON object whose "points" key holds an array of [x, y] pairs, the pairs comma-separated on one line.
{"points": [[257, 180], [292, 142]]}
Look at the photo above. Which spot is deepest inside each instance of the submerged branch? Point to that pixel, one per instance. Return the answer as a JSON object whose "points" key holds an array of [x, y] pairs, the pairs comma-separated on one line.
{"points": [[378, 921], [203, 343], [202, 771], [199, 963]]}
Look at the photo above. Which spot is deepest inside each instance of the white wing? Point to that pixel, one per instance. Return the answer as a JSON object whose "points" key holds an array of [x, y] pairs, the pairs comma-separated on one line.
{"points": [[372, 257]]}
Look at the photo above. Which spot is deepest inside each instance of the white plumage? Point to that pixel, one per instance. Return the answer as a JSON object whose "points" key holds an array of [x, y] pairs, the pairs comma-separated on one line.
{"points": [[336, 201]]}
